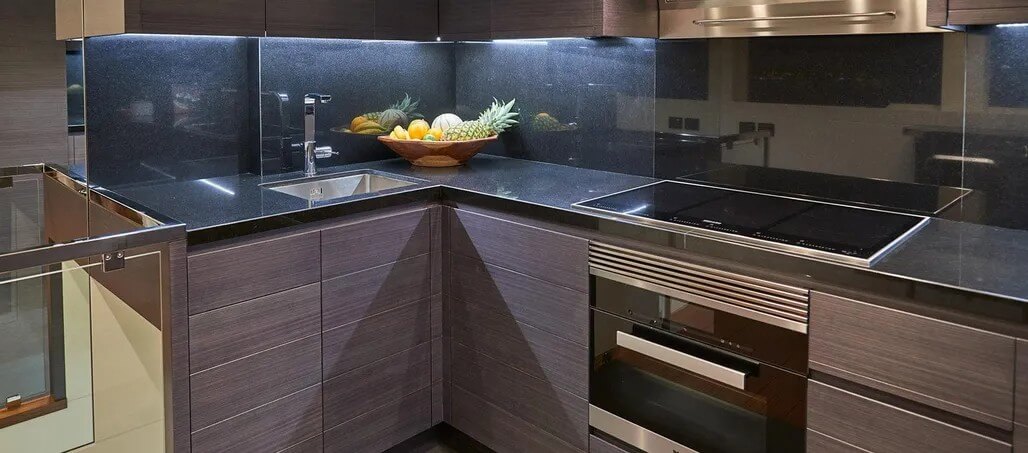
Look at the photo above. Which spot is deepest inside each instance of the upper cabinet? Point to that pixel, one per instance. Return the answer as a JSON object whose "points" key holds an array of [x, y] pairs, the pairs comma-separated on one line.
{"points": [[500, 19], [196, 17], [976, 12], [355, 19]]}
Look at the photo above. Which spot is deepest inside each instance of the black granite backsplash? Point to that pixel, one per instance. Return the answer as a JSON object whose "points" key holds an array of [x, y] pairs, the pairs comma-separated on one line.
{"points": [[361, 77], [883, 114], [166, 108]]}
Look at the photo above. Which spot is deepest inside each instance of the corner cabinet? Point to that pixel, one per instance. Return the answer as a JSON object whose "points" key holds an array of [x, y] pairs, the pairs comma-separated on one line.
{"points": [[976, 12], [506, 19]]}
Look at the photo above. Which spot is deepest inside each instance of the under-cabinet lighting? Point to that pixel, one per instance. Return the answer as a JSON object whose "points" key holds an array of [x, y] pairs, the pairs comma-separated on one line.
{"points": [[1012, 25], [971, 160], [217, 186]]}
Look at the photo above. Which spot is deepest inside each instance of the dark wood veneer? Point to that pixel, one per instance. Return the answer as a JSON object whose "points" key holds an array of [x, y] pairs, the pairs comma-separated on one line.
{"points": [[362, 390], [359, 295], [355, 247], [221, 17], [367, 340], [273, 427], [597, 445], [498, 429], [321, 18], [881, 428], [958, 369], [546, 255], [219, 393], [384, 427], [229, 333], [222, 277], [820, 443]]}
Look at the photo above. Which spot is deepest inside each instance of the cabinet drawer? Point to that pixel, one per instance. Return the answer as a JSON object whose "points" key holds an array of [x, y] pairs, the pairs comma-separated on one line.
{"points": [[958, 369], [367, 340], [820, 443], [558, 362], [364, 389], [498, 429], [356, 296], [236, 387], [881, 428], [383, 428], [597, 445], [273, 427], [355, 247], [547, 255], [554, 309], [225, 276], [312, 445], [542, 18], [551, 409], [228, 333]]}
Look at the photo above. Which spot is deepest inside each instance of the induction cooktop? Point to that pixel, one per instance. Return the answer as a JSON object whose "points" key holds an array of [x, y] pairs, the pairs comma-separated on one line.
{"points": [[846, 234]]}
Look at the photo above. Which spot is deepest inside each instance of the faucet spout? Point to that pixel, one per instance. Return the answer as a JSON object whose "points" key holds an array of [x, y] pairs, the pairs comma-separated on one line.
{"points": [[311, 150]]}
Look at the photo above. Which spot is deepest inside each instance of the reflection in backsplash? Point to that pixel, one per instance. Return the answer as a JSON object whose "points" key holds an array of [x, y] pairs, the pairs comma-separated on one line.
{"points": [[363, 78], [584, 102], [166, 108]]}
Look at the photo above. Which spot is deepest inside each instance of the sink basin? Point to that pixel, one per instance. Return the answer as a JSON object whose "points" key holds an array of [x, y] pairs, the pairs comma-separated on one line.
{"points": [[332, 187]]}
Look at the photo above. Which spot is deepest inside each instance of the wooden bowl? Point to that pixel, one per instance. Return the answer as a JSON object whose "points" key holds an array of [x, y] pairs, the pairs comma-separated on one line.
{"points": [[436, 154]]}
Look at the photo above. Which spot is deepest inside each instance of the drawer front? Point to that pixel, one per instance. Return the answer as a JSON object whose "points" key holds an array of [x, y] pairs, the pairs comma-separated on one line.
{"points": [[555, 309], [597, 445], [273, 427], [547, 255], [820, 443], [359, 343], [383, 428], [498, 429], [362, 294], [556, 411], [556, 361], [364, 389], [958, 369], [881, 428], [226, 276], [236, 387], [351, 248], [312, 445], [226, 334]]}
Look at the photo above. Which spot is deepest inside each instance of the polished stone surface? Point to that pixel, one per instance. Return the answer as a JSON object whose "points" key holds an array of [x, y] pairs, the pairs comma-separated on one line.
{"points": [[361, 77], [987, 260]]}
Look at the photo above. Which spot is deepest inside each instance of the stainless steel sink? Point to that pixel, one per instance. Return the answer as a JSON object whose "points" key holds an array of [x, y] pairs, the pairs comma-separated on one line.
{"points": [[332, 187]]}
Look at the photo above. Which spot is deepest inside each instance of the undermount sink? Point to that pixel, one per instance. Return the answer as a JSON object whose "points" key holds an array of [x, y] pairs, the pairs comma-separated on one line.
{"points": [[332, 187]]}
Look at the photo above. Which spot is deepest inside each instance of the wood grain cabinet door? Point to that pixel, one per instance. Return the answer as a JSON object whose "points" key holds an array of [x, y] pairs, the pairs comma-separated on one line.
{"points": [[1021, 399], [322, 18], [977, 12], [544, 18], [201, 17], [415, 20], [465, 19]]}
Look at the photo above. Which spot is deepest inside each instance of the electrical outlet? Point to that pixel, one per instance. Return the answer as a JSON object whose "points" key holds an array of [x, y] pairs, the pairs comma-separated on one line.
{"points": [[675, 122]]}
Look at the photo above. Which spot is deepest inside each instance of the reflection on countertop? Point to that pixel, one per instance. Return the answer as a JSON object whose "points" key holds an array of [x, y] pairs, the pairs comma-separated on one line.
{"points": [[965, 256]]}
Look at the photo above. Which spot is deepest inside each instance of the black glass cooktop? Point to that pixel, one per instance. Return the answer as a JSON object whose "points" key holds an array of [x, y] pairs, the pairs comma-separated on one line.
{"points": [[843, 233]]}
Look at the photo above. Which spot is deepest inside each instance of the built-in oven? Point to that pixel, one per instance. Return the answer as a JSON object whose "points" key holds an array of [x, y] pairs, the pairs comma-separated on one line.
{"points": [[687, 358]]}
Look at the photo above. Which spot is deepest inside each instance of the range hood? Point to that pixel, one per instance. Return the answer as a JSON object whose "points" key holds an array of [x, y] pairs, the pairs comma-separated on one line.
{"points": [[748, 18]]}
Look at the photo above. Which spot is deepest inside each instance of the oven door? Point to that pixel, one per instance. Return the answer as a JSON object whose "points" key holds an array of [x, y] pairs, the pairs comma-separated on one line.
{"points": [[661, 392]]}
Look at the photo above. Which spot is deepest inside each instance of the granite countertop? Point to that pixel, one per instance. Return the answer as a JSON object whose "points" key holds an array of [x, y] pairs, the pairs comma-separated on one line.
{"points": [[976, 258]]}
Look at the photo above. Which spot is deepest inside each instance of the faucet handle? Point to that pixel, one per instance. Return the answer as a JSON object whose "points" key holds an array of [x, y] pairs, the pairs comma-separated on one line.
{"points": [[324, 152], [312, 98]]}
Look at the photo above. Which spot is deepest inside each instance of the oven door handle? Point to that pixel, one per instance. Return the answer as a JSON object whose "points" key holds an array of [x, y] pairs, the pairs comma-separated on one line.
{"points": [[705, 368]]}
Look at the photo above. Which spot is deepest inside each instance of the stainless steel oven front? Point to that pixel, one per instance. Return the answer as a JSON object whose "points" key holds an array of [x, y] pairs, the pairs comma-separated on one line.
{"points": [[692, 359]]}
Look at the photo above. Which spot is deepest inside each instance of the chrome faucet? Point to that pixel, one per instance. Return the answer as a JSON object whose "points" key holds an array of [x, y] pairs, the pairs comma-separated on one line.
{"points": [[311, 151]]}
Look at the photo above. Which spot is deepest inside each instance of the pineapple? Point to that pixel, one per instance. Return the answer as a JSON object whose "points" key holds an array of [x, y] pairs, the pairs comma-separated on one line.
{"points": [[494, 120], [407, 106]]}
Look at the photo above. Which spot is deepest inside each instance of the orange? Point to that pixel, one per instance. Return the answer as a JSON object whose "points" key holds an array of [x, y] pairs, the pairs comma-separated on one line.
{"points": [[418, 129]]}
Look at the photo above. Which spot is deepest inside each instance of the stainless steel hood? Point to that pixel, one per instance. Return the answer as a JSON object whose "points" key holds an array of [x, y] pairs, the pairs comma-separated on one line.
{"points": [[747, 18]]}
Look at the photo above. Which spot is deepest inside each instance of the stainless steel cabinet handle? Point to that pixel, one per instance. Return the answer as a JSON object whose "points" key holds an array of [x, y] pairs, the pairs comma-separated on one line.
{"points": [[889, 14], [682, 360]]}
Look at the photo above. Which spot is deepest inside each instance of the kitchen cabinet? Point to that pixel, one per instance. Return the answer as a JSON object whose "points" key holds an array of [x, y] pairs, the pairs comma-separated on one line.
{"points": [[517, 318], [976, 12], [505, 19], [1021, 399], [356, 19], [194, 17]]}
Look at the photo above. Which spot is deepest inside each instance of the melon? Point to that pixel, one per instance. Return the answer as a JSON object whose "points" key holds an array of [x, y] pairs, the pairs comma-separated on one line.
{"points": [[444, 121]]}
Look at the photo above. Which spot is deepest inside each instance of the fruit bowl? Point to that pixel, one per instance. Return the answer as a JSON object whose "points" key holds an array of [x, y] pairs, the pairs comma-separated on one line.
{"points": [[436, 154], [346, 130]]}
